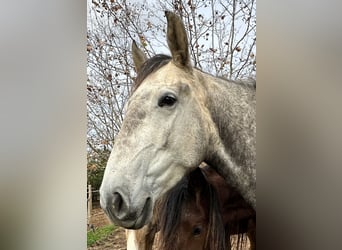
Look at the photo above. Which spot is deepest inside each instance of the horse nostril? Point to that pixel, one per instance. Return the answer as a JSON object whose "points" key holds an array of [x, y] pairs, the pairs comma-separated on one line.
{"points": [[118, 203], [122, 211]]}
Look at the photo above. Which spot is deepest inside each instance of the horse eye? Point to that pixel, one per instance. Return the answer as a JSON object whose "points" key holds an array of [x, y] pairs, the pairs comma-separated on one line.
{"points": [[167, 100], [196, 231]]}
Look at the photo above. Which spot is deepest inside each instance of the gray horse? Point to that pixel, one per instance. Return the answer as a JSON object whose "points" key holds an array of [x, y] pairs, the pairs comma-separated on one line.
{"points": [[176, 118]]}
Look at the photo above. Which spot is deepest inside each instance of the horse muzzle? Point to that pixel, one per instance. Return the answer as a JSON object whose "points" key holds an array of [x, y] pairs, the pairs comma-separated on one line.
{"points": [[125, 211]]}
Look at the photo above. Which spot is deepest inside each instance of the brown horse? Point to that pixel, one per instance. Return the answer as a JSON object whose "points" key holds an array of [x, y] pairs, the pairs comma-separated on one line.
{"points": [[200, 212], [176, 118]]}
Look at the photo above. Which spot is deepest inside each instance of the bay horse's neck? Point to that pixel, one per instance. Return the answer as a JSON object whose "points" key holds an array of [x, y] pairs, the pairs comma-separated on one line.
{"points": [[232, 107]]}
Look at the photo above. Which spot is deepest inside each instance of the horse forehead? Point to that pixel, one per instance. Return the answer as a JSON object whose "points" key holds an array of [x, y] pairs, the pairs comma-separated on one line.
{"points": [[169, 75], [194, 211]]}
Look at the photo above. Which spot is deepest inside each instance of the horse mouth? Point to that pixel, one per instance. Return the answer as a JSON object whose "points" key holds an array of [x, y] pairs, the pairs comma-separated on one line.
{"points": [[132, 219], [145, 215]]}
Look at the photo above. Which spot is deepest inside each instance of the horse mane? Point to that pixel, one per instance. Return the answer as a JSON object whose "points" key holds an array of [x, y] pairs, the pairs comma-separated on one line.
{"points": [[216, 237], [156, 62], [238, 227], [150, 65], [169, 214], [249, 82], [173, 203]]}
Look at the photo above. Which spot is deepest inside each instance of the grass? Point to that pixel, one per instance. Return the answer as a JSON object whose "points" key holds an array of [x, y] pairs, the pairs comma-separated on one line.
{"points": [[99, 234]]}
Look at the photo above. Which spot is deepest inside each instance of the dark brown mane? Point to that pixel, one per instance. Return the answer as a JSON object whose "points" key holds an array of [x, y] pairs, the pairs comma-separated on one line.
{"points": [[169, 214], [173, 204], [149, 66], [238, 217]]}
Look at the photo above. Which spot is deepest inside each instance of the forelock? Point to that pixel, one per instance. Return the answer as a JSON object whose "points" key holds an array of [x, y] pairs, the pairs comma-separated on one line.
{"points": [[151, 65]]}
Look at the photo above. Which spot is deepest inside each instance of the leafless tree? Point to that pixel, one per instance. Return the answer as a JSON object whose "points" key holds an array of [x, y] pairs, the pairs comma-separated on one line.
{"points": [[222, 34]]}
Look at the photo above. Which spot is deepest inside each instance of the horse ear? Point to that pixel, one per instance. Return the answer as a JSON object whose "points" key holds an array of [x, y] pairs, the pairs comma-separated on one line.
{"points": [[139, 56], [177, 40]]}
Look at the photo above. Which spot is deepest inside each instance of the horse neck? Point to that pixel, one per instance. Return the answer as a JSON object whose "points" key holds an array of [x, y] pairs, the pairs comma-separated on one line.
{"points": [[232, 109]]}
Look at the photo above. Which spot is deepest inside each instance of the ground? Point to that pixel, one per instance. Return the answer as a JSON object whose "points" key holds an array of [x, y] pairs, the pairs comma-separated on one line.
{"points": [[116, 241]]}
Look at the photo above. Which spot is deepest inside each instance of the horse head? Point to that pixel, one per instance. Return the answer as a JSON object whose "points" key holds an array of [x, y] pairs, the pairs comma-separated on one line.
{"points": [[163, 135], [190, 216]]}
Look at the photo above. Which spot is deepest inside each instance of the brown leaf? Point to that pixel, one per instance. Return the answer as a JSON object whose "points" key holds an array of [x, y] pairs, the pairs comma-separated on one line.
{"points": [[149, 24]]}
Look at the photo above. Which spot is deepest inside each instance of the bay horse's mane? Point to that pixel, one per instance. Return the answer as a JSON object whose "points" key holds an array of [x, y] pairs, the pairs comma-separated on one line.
{"points": [[169, 213], [173, 202]]}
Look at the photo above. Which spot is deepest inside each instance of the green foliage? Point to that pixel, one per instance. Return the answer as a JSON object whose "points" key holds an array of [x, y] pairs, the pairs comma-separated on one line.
{"points": [[99, 234], [95, 175], [96, 166]]}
